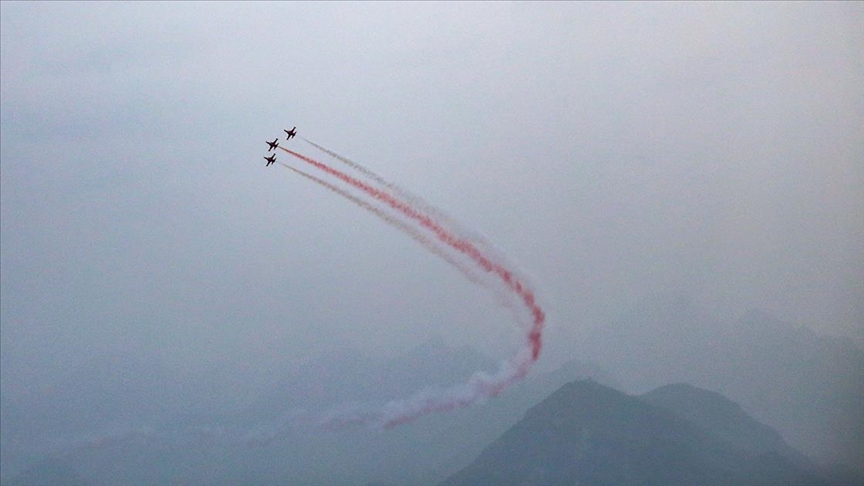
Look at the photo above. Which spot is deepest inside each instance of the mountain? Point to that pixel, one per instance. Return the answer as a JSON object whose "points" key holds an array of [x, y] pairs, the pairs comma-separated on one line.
{"points": [[728, 421], [808, 387], [587, 433], [722, 417], [423, 452]]}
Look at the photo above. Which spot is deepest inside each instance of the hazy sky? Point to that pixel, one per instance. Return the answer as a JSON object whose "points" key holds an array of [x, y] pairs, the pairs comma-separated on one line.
{"points": [[616, 151]]}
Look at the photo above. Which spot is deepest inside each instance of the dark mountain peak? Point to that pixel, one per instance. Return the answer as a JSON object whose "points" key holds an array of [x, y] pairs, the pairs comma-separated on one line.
{"points": [[722, 417], [576, 435], [804, 384], [576, 370], [585, 392], [586, 406], [689, 400], [587, 433]]}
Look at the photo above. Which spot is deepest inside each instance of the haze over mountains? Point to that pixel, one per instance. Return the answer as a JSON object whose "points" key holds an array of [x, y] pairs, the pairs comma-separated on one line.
{"points": [[809, 387], [586, 433], [174, 311], [800, 399], [423, 452]]}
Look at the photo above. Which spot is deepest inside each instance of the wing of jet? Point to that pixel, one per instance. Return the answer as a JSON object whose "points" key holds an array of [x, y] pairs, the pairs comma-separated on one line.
{"points": [[274, 144], [270, 160], [290, 133]]}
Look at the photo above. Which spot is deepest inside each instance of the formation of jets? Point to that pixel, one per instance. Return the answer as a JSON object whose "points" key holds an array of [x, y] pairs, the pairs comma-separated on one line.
{"points": [[275, 144]]}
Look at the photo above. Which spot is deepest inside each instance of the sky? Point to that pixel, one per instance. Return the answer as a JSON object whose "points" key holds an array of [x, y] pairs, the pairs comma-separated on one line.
{"points": [[614, 151]]}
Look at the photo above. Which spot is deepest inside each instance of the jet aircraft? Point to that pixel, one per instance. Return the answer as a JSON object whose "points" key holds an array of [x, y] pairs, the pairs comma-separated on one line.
{"points": [[273, 144], [270, 160], [290, 133]]}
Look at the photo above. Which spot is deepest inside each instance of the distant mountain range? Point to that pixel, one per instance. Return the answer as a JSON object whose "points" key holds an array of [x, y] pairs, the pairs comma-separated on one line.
{"points": [[587, 433], [809, 387], [424, 452], [796, 390], [583, 433]]}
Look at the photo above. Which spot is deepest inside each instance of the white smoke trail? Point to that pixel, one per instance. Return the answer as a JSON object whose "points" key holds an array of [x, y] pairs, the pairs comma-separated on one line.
{"points": [[399, 224], [503, 297], [480, 385]]}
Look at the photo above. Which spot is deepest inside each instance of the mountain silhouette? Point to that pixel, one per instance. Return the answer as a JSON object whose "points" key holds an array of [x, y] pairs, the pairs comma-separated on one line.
{"points": [[587, 433]]}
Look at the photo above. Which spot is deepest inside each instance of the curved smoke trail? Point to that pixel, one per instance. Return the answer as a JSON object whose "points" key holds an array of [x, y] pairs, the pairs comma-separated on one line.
{"points": [[478, 386], [396, 223], [409, 197], [459, 244], [504, 298], [396, 412]]}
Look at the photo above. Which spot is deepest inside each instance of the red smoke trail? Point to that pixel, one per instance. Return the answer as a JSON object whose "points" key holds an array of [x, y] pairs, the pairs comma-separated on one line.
{"points": [[412, 199], [400, 225], [504, 298], [354, 165], [463, 246]]}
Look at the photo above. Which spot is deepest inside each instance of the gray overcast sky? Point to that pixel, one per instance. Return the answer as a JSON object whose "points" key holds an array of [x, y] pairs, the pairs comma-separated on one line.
{"points": [[615, 151]]}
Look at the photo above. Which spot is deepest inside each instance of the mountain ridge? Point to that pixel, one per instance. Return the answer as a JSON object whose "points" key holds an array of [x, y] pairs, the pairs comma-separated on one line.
{"points": [[587, 433]]}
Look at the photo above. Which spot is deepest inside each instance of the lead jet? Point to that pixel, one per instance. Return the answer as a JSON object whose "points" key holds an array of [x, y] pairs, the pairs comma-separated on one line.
{"points": [[270, 160], [290, 133], [273, 144]]}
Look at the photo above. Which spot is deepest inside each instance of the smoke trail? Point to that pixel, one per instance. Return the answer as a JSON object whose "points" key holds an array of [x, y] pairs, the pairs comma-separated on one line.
{"points": [[502, 297], [406, 195], [359, 168], [464, 246], [396, 223], [480, 385], [393, 413]]}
